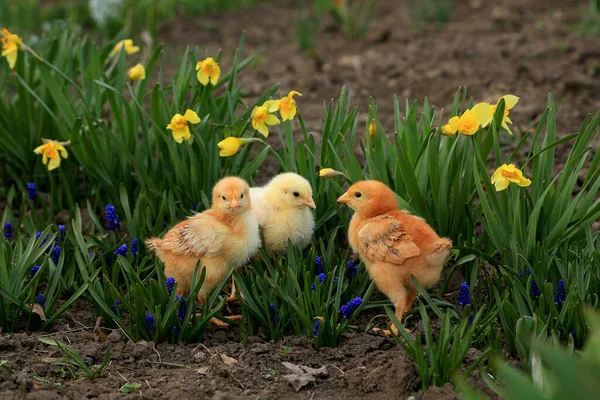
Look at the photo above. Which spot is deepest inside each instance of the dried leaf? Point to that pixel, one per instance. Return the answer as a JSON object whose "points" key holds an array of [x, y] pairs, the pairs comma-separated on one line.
{"points": [[293, 367], [37, 309], [227, 360], [320, 373], [299, 381], [203, 370]]}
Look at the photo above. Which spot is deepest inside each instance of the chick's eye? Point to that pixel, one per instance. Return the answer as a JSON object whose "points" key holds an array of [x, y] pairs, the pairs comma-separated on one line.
{"points": [[223, 197], [296, 194], [357, 194], [242, 196]]}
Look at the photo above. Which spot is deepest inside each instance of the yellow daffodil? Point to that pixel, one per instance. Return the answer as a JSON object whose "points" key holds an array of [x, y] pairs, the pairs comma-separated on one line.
{"points": [[231, 145], [11, 44], [467, 124], [330, 173], [507, 174], [372, 129], [485, 111], [287, 106], [179, 125], [53, 151], [208, 70], [137, 73], [126, 45], [262, 117]]}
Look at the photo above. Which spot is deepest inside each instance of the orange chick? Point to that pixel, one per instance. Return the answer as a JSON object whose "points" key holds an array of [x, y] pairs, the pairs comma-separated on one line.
{"points": [[393, 244], [225, 236]]}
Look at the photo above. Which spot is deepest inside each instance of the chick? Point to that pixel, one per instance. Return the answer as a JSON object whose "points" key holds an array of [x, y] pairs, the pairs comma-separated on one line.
{"points": [[281, 208], [393, 244], [225, 235]]}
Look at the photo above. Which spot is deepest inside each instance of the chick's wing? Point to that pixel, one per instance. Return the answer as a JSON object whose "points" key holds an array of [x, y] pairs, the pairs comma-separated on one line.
{"points": [[383, 239], [199, 236]]}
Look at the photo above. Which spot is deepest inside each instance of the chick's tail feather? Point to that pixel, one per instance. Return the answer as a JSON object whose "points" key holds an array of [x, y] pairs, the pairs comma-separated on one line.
{"points": [[153, 243]]}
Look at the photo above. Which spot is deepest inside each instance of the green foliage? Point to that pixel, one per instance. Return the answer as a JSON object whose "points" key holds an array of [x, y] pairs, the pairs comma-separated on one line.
{"points": [[74, 362], [430, 12]]}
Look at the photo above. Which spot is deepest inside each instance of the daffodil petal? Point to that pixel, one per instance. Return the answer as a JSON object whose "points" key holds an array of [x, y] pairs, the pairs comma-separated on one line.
{"points": [[271, 105], [191, 117], [54, 163], [202, 77], [262, 128], [271, 120], [481, 112], [510, 100], [501, 184]]}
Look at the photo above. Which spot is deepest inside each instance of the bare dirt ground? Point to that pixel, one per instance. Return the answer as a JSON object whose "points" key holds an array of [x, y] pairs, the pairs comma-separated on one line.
{"points": [[523, 47]]}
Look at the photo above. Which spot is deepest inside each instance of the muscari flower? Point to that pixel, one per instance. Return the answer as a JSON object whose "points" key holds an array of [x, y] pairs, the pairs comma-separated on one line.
{"points": [[464, 296], [53, 151], [262, 117], [150, 322], [175, 331], [112, 221], [506, 174], [8, 231], [561, 294], [31, 191], [62, 231], [272, 312], [34, 270], [231, 145], [352, 269], [134, 246], [321, 277], [316, 327], [485, 111], [183, 307], [126, 45], [114, 307], [349, 308], [170, 282], [318, 265], [137, 73], [287, 106], [56, 250], [208, 70], [467, 124], [11, 44], [40, 299], [179, 125], [122, 250], [535, 290]]}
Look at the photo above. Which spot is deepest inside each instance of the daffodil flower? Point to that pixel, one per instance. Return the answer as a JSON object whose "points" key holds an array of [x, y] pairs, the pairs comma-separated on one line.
{"points": [[179, 125], [467, 124], [126, 45], [53, 151], [485, 111], [208, 70], [262, 117], [506, 174], [137, 73], [231, 145], [287, 106], [330, 173], [11, 44]]}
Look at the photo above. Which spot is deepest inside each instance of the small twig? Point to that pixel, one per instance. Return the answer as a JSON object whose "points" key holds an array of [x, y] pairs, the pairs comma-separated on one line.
{"points": [[206, 348], [125, 379], [171, 364], [235, 379], [336, 367], [159, 357]]}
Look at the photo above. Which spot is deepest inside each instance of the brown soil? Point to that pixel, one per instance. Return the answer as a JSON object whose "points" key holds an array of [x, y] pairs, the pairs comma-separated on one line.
{"points": [[364, 366]]}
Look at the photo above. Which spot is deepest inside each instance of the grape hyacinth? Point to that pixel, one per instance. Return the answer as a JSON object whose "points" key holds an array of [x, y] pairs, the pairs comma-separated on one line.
{"points": [[121, 251], [316, 328], [112, 221], [34, 270], [31, 191], [40, 299], [56, 250], [318, 265], [348, 309], [62, 231], [321, 277], [561, 294], [8, 231], [150, 323], [535, 290], [272, 312], [170, 282], [313, 287], [183, 307], [464, 296], [134, 246], [114, 307], [175, 331], [352, 269]]}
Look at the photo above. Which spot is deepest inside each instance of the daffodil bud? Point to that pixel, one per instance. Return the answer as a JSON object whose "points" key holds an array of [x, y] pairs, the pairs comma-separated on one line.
{"points": [[137, 73], [372, 129], [231, 145], [329, 173]]}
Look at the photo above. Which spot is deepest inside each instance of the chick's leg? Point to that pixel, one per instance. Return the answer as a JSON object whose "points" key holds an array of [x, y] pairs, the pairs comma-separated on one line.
{"points": [[402, 307]]}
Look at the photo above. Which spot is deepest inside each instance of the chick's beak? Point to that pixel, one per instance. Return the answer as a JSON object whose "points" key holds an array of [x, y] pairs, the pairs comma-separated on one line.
{"points": [[344, 198], [310, 203], [234, 205]]}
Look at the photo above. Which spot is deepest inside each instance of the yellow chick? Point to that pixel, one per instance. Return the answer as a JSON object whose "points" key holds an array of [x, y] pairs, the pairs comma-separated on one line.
{"points": [[281, 209], [226, 235]]}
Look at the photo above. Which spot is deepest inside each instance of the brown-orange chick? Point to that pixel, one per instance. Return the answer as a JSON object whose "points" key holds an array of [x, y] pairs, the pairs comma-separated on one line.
{"points": [[393, 244], [225, 236]]}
